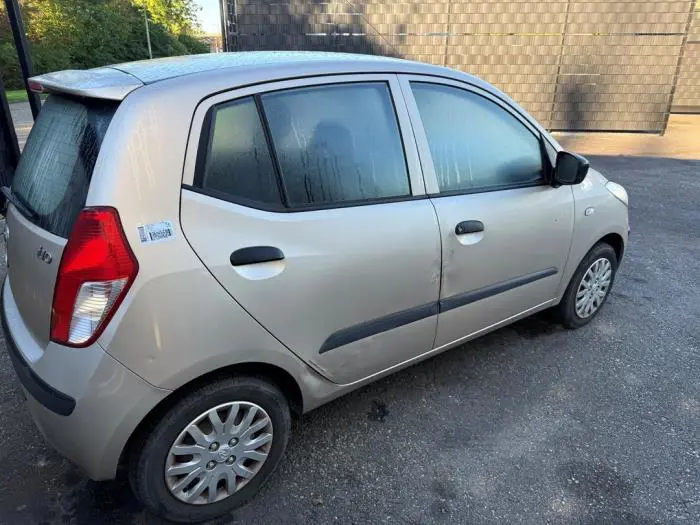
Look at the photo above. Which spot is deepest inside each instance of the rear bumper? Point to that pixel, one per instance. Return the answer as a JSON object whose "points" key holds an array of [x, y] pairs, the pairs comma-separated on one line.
{"points": [[45, 394], [85, 403]]}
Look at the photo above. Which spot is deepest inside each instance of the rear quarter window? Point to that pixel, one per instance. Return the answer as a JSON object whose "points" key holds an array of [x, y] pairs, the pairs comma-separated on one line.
{"points": [[56, 166], [237, 161]]}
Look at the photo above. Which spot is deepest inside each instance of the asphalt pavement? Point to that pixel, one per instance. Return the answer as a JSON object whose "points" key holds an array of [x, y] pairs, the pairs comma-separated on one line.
{"points": [[530, 424], [22, 119]]}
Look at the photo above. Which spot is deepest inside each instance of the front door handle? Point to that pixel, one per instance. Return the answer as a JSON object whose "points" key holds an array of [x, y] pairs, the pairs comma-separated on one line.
{"points": [[465, 227], [255, 255]]}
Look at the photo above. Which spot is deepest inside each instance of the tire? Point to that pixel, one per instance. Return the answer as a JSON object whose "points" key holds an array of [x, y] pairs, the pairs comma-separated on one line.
{"points": [[152, 454], [566, 312]]}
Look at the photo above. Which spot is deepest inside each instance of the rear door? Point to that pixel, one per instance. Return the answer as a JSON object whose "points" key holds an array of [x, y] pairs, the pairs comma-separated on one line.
{"points": [[50, 185], [505, 230], [309, 208]]}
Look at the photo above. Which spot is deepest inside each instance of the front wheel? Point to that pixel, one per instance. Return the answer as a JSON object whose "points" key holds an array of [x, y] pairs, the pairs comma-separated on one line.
{"points": [[589, 287], [212, 451]]}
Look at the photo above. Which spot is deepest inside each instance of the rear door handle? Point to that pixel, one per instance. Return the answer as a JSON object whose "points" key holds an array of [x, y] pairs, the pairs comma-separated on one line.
{"points": [[255, 255], [465, 227]]}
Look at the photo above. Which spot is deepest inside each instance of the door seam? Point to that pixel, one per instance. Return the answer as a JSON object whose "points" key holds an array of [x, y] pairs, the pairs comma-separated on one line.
{"points": [[442, 270], [565, 268], [425, 185]]}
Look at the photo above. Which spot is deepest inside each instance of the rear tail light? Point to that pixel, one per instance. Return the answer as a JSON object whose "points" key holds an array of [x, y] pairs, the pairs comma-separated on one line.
{"points": [[97, 268]]}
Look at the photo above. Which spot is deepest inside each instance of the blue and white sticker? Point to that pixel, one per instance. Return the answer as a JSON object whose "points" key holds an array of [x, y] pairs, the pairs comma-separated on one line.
{"points": [[156, 232]]}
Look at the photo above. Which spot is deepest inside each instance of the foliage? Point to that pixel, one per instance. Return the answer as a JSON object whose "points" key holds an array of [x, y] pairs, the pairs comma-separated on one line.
{"points": [[193, 44], [9, 66], [81, 34], [177, 16]]}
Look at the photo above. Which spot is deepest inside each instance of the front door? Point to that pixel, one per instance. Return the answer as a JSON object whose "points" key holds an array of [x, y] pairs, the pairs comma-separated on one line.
{"points": [[505, 232], [310, 209]]}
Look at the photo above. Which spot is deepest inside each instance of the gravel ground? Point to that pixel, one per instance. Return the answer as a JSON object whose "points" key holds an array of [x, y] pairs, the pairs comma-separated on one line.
{"points": [[530, 424]]}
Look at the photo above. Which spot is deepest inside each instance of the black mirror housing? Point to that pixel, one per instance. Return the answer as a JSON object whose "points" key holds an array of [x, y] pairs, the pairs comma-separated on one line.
{"points": [[570, 168]]}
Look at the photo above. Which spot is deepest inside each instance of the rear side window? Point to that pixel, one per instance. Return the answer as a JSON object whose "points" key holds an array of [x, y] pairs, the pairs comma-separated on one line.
{"points": [[475, 143], [238, 162], [337, 143], [55, 169]]}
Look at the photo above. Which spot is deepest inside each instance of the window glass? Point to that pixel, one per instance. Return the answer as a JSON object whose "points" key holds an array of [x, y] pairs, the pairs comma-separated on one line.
{"points": [[55, 169], [238, 160], [337, 143], [474, 142]]}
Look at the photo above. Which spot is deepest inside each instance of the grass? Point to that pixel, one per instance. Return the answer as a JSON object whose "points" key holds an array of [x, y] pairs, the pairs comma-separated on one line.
{"points": [[19, 95], [16, 95]]}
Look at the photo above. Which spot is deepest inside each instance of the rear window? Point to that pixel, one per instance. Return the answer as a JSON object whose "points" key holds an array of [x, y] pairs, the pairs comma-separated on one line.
{"points": [[54, 172]]}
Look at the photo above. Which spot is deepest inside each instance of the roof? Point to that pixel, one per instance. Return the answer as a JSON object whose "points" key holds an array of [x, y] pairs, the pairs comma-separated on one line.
{"points": [[149, 71], [118, 80]]}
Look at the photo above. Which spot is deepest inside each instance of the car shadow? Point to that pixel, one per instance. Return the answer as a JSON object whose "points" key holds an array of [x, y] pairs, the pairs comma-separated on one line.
{"points": [[86, 502]]}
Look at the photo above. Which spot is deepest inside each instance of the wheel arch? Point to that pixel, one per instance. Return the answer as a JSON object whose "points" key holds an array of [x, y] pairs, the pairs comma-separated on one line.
{"points": [[616, 241], [614, 238], [266, 371]]}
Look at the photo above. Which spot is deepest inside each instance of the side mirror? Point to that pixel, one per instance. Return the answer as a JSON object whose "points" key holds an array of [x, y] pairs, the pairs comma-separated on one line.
{"points": [[570, 168]]}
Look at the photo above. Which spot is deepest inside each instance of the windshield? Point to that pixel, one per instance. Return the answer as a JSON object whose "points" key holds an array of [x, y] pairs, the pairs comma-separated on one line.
{"points": [[54, 172]]}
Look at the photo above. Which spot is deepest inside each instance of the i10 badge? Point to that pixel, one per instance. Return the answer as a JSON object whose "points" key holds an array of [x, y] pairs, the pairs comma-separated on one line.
{"points": [[44, 255]]}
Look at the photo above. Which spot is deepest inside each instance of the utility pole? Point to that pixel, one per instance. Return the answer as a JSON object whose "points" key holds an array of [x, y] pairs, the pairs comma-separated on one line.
{"points": [[148, 31], [223, 7], [25, 61]]}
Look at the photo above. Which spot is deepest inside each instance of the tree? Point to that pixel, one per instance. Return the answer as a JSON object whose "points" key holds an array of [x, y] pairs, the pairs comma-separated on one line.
{"points": [[82, 34], [177, 16]]}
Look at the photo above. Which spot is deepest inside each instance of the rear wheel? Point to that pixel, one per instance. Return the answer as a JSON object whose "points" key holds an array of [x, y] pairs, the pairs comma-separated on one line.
{"points": [[212, 451], [589, 287]]}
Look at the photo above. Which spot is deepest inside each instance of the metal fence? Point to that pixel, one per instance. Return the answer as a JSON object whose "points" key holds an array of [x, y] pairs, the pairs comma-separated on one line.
{"points": [[573, 64], [687, 96]]}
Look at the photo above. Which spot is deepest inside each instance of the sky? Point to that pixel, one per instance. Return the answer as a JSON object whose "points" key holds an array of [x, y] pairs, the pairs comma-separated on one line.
{"points": [[209, 16]]}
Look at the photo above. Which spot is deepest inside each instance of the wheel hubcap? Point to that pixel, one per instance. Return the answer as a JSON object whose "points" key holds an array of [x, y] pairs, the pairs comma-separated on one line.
{"points": [[593, 288], [218, 453]]}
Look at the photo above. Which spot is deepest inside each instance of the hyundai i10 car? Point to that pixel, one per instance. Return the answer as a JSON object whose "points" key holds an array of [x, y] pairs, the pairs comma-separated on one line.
{"points": [[201, 248]]}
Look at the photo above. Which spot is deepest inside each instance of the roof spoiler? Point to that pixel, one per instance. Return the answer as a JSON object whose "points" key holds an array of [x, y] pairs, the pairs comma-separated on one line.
{"points": [[101, 82]]}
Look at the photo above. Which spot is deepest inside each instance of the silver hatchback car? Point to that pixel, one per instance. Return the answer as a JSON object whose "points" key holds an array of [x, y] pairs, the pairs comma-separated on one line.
{"points": [[200, 248]]}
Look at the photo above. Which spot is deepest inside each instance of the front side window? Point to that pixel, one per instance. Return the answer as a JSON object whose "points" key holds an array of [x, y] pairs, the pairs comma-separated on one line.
{"points": [[337, 143], [475, 144], [238, 163]]}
